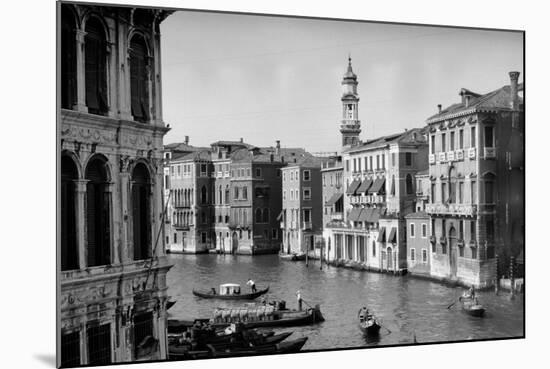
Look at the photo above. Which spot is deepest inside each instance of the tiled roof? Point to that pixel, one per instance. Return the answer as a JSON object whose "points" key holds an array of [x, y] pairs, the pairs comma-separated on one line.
{"points": [[182, 147], [263, 155], [196, 155], [418, 214], [499, 99], [232, 143], [403, 137]]}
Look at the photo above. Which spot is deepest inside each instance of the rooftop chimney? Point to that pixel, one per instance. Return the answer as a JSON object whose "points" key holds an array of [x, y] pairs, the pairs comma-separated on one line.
{"points": [[514, 103], [439, 108], [241, 140], [277, 147], [271, 158], [187, 140]]}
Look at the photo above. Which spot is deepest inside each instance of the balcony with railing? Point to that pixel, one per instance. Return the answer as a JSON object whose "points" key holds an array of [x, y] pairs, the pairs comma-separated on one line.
{"points": [[451, 156], [459, 154], [441, 157], [182, 226], [306, 226], [472, 153], [431, 158], [234, 224], [452, 209], [337, 216], [489, 153]]}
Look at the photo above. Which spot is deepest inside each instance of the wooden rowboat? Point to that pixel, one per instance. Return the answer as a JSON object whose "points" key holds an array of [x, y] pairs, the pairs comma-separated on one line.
{"points": [[471, 306], [293, 256], [368, 323]]}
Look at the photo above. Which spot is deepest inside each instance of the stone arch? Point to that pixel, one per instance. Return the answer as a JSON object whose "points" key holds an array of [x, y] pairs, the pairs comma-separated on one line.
{"points": [[75, 159], [96, 64], [69, 243]]}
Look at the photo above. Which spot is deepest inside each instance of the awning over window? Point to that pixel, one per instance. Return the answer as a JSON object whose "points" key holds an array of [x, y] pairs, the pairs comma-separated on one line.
{"points": [[365, 214], [353, 186], [354, 214], [377, 185], [391, 237], [334, 199], [374, 216], [364, 186], [382, 235]]}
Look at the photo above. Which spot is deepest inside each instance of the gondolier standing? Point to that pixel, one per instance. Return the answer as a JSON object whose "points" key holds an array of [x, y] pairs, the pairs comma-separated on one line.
{"points": [[299, 298], [252, 285]]}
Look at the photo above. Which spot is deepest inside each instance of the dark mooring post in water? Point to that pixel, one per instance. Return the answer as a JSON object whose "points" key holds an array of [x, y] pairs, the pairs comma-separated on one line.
{"points": [[497, 280], [512, 279]]}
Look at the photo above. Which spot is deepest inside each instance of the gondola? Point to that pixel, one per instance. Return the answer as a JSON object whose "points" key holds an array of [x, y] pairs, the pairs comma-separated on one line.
{"points": [[368, 323], [471, 306], [229, 291]]}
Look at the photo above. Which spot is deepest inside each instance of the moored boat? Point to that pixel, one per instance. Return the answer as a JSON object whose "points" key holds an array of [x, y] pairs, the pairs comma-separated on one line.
{"points": [[229, 291], [293, 257], [273, 315], [170, 303], [368, 324]]}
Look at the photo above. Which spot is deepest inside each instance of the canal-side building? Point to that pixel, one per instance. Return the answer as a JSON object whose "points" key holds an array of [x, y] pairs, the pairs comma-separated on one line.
{"points": [[221, 160], [192, 202], [256, 189], [418, 243], [477, 184], [112, 272], [378, 181], [302, 216], [333, 192]]}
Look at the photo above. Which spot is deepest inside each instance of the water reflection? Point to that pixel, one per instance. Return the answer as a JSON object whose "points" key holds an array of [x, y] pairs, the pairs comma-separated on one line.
{"points": [[408, 308]]}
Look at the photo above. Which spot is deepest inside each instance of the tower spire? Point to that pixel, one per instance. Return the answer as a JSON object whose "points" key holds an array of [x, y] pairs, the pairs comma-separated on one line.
{"points": [[350, 127]]}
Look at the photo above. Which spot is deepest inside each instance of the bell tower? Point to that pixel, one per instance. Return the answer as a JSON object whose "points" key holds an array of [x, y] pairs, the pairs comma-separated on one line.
{"points": [[350, 128]]}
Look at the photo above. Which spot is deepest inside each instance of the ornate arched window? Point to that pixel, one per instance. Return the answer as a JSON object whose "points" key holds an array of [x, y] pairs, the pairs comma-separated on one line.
{"points": [[409, 184], [68, 60], [69, 247], [139, 79], [226, 194], [393, 185], [141, 212], [98, 213], [96, 67], [220, 197]]}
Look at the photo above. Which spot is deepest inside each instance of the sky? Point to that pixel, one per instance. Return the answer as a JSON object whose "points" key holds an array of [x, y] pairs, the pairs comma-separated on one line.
{"points": [[265, 78]]}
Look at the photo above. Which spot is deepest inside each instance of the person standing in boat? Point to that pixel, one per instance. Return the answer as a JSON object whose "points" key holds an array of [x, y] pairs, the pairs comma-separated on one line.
{"points": [[252, 285], [299, 298], [472, 292]]}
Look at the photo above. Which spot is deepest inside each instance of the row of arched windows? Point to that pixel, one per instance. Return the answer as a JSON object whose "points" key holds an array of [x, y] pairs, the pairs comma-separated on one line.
{"points": [[183, 197], [96, 208], [95, 61], [262, 216], [408, 185], [182, 218]]}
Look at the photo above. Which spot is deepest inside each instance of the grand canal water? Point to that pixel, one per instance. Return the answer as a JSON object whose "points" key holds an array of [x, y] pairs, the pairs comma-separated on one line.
{"points": [[408, 307]]}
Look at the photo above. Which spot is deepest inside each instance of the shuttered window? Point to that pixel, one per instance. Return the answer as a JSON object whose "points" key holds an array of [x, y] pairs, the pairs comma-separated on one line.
{"points": [[96, 68], [139, 81]]}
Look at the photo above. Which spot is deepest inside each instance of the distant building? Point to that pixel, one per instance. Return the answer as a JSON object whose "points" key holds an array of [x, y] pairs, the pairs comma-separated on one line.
{"points": [[112, 270], [422, 190], [301, 218], [477, 184]]}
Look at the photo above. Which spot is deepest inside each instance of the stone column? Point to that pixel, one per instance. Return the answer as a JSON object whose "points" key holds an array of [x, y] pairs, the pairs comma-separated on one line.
{"points": [[80, 189], [83, 344], [125, 225], [114, 222], [80, 72]]}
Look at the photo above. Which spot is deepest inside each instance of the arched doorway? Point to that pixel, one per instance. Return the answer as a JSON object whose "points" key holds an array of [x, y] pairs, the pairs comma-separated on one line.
{"points": [[389, 259], [234, 242], [69, 248], [452, 251], [98, 214], [141, 212]]}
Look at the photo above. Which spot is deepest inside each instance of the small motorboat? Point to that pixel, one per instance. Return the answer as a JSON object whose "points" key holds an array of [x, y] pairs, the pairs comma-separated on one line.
{"points": [[471, 306], [368, 323], [229, 291]]}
